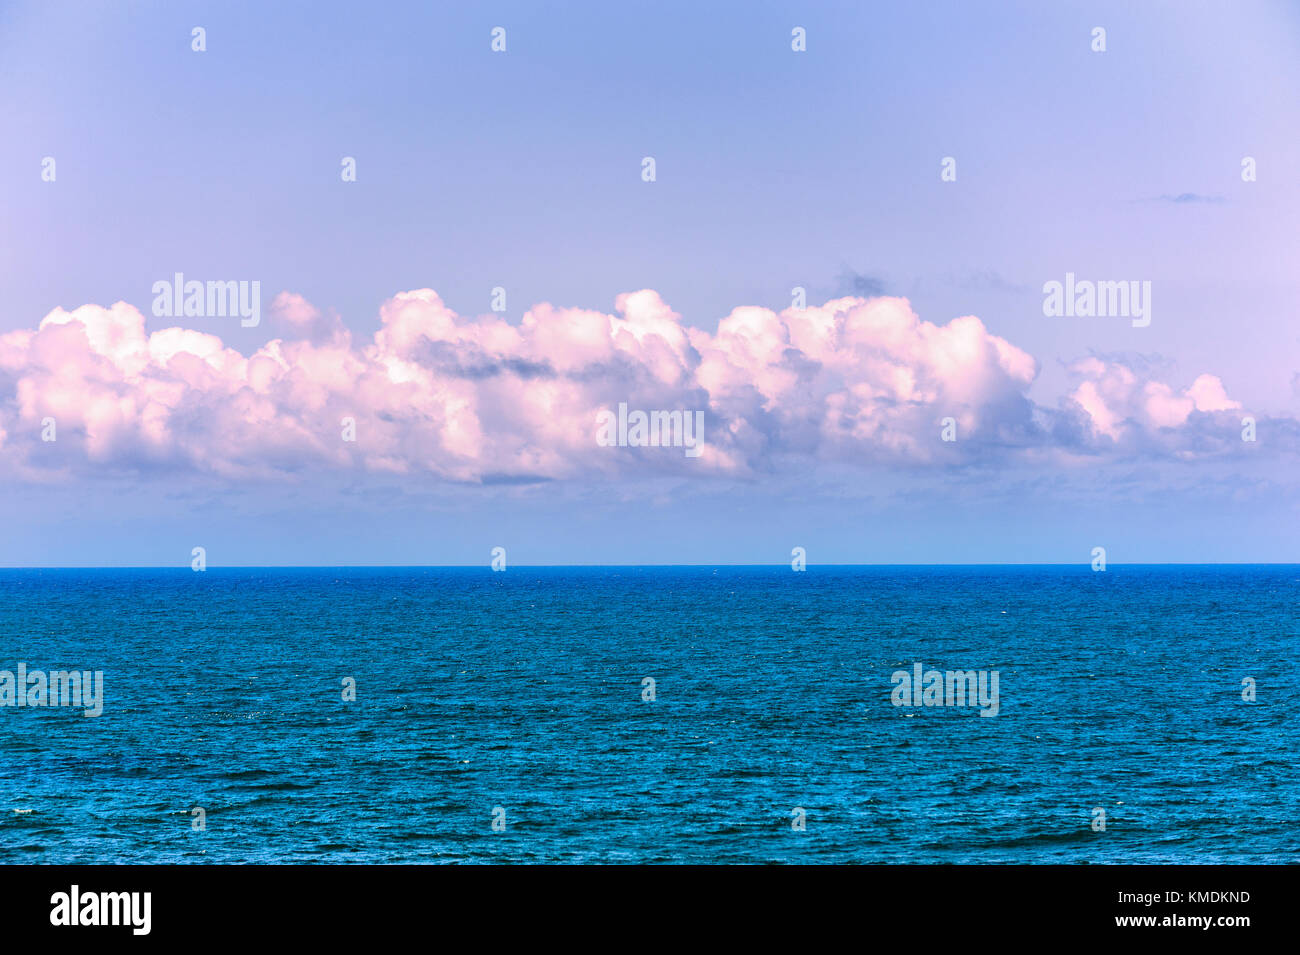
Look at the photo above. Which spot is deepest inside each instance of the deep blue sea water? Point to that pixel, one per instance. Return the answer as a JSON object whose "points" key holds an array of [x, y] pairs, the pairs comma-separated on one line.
{"points": [[522, 690]]}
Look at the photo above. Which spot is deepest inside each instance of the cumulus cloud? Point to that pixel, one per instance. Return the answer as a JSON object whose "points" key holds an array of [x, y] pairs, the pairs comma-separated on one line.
{"points": [[478, 399], [1117, 401], [1119, 407], [1187, 198]]}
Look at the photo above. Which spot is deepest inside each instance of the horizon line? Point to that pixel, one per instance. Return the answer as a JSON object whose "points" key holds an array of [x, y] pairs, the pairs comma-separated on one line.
{"points": [[487, 565]]}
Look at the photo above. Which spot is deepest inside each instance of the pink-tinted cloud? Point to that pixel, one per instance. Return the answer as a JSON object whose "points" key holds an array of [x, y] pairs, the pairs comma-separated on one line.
{"points": [[480, 399], [1115, 407]]}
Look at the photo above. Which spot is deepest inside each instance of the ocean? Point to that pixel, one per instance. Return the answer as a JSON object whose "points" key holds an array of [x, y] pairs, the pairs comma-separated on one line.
{"points": [[510, 717]]}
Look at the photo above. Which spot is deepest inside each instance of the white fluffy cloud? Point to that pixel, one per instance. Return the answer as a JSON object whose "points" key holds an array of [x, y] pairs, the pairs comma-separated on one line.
{"points": [[479, 399]]}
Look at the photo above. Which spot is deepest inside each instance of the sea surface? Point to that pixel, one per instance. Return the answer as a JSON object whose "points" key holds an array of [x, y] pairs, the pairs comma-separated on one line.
{"points": [[519, 698]]}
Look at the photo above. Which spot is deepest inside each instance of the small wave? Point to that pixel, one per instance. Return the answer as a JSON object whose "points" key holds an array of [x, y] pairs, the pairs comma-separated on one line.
{"points": [[1065, 837]]}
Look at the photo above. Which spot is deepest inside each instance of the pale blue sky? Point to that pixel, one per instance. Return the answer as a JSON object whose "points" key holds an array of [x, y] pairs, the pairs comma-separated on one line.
{"points": [[775, 169]]}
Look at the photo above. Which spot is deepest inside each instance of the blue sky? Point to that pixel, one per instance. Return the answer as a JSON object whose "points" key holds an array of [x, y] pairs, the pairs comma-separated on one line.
{"points": [[775, 169]]}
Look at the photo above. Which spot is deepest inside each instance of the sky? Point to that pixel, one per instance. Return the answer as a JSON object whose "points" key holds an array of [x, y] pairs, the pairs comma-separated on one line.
{"points": [[920, 171]]}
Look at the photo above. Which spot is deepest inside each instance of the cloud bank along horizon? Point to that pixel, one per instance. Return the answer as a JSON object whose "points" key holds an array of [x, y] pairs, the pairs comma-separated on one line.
{"points": [[854, 382]]}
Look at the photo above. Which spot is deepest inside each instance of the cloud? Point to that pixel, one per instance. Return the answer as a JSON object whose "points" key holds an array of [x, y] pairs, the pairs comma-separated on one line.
{"points": [[1120, 407], [852, 282], [294, 317], [1188, 198], [1117, 408], [988, 280], [858, 381]]}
